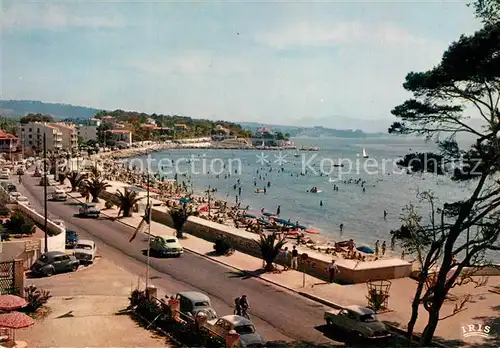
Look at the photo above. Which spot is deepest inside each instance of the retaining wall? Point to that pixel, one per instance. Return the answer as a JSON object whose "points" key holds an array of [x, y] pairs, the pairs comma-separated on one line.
{"points": [[350, 271]]}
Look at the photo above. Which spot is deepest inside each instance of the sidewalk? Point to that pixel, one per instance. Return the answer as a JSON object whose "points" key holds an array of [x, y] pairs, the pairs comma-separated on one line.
{"points": [[482, 309]]}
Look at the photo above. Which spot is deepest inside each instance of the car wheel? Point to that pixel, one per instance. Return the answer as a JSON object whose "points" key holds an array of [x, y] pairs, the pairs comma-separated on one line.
{"points": [[49, 272], [74, 268]]}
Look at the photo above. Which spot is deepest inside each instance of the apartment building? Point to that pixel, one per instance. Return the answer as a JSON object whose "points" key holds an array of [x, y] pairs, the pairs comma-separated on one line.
{"points": [[87, 132], [120, 135], [31, 135], [69, 134], [8, 142]]}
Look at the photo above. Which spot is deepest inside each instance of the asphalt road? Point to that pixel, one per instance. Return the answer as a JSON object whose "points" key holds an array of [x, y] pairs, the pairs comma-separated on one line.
{"points": [[278, 314]]}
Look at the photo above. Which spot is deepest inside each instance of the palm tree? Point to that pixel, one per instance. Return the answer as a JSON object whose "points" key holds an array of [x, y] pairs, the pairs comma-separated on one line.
{"points": [[95, 172], [179, 217], [270, 246], [126, 201], [76, 179], [95, 187]]}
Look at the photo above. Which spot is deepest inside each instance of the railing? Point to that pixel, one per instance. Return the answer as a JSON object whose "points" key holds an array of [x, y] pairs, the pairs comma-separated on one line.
{"points": [[6, 276]]}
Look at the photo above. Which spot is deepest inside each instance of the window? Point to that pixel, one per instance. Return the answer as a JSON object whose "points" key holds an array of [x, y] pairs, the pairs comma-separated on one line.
{"points": [[30, 142], [30, 136], [83, 246], [244, 329], [368, 318], [31, 130]]}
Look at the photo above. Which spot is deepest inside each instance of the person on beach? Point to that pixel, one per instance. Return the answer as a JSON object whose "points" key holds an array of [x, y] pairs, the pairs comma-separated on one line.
{"points": [[278, 210], [383, 248], [385, 214], [320, 203], [333, 269], [377, 247], [295, 258], [285, 255], [341, 227]]}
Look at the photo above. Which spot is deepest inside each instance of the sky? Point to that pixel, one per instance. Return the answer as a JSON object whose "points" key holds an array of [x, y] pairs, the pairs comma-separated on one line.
{"points": [[335, 64]]}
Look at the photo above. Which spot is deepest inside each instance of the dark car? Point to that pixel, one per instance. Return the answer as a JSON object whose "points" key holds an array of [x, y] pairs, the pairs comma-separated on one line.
{"points": [[54, 262], [11, 188], [71, 238]]}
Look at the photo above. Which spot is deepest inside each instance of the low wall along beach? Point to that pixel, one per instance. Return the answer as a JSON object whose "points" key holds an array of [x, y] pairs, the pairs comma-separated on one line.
{"points": [[350, 271]]}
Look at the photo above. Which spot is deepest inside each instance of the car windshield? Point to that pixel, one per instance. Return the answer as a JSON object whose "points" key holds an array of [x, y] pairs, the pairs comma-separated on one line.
{"points": [[170, 241], [83, 246], [202, 304], [245, 329], [368, 318]]}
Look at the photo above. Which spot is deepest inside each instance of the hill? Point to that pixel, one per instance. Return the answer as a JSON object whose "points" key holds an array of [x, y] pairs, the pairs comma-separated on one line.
{"points": [[58, 111], [316, 131]]}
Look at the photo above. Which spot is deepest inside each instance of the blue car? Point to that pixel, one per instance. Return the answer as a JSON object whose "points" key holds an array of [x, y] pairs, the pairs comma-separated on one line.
{"points": [[71, 239]]}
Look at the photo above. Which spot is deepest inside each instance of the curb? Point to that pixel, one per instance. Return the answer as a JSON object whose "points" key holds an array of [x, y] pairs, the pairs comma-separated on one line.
{"points": [[301, 293]]}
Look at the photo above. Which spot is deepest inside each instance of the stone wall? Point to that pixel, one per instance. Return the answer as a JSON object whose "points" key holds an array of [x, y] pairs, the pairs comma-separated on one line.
{"points": [[243, 241]]}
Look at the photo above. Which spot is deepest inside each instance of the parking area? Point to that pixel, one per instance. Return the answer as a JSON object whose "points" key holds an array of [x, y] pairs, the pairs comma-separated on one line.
{"points": [[85, 310]]}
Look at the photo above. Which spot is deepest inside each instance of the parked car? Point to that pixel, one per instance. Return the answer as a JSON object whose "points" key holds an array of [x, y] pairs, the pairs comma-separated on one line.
{"points": [[85, 251], [5, 174], [359, 321], [166, 246], [244, 327], [59, 195], [23, 199], [53, 262], [11, 188], [89, 210], [192, 302], [71, 238], [13, 196]]}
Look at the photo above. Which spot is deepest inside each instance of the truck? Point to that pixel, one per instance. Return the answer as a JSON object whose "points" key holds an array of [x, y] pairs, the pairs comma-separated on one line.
{"points": [[360, 321]]}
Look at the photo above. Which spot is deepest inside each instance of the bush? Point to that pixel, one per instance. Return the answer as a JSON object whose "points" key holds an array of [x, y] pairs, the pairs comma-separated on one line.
{"points": [[376, 299], [20, 223], [108, 204], [36, 298], [4, 211], [222, 245]]}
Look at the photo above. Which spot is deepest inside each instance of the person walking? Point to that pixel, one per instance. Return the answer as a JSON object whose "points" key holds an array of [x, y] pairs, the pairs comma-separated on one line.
{"points": [[295, 258], [285, 257], [333, 270], [341, 227], [278, 210], [383, 248], [377, 247]]}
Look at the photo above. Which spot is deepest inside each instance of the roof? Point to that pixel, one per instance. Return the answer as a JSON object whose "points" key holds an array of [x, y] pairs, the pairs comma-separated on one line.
{"points": [[180, 125], [194, 296], [107, 117], [4, 135], [236, 320], [51, 254], [86, 241], [360, 309]]}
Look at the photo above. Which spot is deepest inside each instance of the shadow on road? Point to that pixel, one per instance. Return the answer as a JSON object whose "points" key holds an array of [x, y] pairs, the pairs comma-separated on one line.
{"points": [[245, 274], [493, 341]]}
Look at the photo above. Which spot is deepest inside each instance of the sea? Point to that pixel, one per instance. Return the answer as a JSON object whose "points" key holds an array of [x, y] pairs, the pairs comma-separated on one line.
{"points": [[365, 187]]}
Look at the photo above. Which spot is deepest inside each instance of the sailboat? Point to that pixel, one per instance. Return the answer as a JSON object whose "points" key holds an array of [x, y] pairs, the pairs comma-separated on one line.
{"points": [[364, 153], [263, 143]]}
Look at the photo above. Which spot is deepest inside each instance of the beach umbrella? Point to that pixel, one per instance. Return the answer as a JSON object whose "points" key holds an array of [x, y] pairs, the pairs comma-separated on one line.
{"points": [[249, 216], [262, 221], [281, 221], [184, 200], [15, 320], [312, 231], [268, 214], [365, 249], [302, 227], [11, 302], [203, 208]]}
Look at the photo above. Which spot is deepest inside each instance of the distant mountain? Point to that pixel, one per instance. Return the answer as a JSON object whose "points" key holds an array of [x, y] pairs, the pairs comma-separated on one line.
{"points": [[316, 131], [58, 111]]}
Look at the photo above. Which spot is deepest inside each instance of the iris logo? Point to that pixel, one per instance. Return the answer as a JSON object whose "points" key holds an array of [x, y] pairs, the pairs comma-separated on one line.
{"points": [[477, 330]]}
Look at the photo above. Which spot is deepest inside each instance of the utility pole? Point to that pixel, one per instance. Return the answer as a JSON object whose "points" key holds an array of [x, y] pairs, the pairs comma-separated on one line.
{"points": [[45, 190], [148, 211]]}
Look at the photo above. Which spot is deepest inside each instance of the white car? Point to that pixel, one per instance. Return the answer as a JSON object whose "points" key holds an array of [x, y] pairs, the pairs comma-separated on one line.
{"points": [[59, 195], [13, 196], [5, 174], [22, 199], [85, 251]]}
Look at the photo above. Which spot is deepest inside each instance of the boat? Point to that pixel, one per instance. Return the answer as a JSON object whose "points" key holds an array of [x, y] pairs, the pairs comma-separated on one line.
{"points": [[364, 153], [296, 154]]}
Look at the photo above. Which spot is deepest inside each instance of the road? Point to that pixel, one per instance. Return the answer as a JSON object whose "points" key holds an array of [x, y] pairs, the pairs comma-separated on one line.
{"points": [[278, 314]]}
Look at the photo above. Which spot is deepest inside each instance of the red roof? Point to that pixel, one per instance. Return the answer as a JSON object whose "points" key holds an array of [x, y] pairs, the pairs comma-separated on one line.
{"points": [[4, 135]]}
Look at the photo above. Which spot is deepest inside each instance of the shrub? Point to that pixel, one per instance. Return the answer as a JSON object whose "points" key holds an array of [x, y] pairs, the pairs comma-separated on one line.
{"points": [[108, 204], [222, 245], [36, 298], [4, 211], [20, 223]]}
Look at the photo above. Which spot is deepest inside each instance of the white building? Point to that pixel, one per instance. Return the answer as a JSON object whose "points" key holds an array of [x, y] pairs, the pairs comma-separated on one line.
{"points": [[119, 135], [87, 132], [69, 135], [31, 134]]}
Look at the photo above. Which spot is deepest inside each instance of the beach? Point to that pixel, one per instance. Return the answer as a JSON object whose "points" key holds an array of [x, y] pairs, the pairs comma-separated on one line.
{"points": [[356, 199]]}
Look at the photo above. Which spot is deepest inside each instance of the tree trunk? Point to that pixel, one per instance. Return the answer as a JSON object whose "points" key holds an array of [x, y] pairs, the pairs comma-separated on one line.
{"points": [[269, 267], [415, 306], [428, 334], [126, 211], [95, 199], [179, 234]]}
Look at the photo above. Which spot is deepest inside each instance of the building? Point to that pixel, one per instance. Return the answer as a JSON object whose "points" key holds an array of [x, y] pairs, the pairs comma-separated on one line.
{"points": [[87, 132], [9, 143], [119, 135], [31, 135], [221, 133], [181, 127], [69, 134], [109, 120], [95, 122]]}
